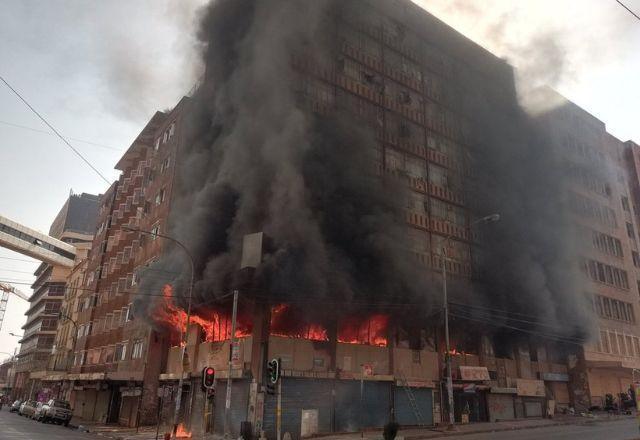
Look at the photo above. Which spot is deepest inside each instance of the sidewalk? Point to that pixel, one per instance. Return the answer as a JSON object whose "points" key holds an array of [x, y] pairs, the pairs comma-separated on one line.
{"points": [[476, 428], [149, 433]]}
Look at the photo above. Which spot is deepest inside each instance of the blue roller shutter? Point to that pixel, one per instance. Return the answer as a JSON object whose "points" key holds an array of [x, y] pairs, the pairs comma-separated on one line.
{"points": [[405, 416], [299, 394]]}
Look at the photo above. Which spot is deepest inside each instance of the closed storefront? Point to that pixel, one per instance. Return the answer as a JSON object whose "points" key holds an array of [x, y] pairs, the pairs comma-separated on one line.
{"points": [[501, 406], [404, 412], [356, 407], [239, 405], [531, 399], [300, 394]]}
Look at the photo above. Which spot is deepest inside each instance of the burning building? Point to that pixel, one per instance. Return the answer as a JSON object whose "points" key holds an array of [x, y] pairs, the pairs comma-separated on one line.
{"points": [[356, 142], [363, 139]]}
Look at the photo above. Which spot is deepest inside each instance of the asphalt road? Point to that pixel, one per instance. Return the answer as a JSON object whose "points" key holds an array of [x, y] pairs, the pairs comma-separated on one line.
{"points": [[619, 430], [14, 427]]}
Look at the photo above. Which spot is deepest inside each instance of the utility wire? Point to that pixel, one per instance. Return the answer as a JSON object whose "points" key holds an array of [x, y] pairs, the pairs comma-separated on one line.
{"points": [[506, 314], [53, 129], [24, 127], [574, 341], [629, 10]]}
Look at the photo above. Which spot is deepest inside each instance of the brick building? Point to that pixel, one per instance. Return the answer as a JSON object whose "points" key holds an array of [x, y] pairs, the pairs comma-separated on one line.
{"points": [[118, 357]]}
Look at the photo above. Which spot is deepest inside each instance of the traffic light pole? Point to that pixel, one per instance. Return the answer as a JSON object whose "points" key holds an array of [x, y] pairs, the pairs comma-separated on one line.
{"points": [[227, 403], [279, 410]]}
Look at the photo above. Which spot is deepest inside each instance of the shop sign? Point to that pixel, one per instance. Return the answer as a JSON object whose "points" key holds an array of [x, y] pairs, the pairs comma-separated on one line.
{"points": [[367, 370], [474, 373], [530, 387], [130, 392], [555, 377], [469, 388]]}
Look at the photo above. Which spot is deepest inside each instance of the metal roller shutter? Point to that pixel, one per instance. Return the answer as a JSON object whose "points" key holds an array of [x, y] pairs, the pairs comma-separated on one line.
{"points": [[239, 405], [405, 416], [299, 394], [373, 412]]}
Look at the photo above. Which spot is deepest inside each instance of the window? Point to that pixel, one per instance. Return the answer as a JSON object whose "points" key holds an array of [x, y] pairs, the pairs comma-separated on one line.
{"points": [[121, 352], [172, 129], [160, 196], [136, 351], [155, 231], [630, 231], [130, 312], [165, 164], [625, 204], [623, 348], [156, 146]]}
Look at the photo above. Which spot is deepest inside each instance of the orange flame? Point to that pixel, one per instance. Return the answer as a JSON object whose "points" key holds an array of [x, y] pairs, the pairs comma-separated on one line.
{"points": [[216, 328], [371, 330], [284, 323], [182, 432]]}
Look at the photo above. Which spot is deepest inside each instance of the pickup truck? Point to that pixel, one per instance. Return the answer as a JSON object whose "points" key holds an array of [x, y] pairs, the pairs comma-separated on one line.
{"points": [[57, 411]]}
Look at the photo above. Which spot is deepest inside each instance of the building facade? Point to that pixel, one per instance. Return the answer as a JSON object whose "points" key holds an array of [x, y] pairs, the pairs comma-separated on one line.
{"points": [[74, 225], [118, 358]]}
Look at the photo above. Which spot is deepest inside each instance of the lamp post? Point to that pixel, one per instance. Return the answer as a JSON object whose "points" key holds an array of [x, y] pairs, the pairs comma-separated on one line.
{"points": [[186, 332], [487, 219]]}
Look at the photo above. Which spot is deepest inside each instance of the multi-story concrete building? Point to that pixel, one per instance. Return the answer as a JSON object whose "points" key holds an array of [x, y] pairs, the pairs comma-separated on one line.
{"points": [[74, 224], [403, 75], [118, 358], [600, 199]]}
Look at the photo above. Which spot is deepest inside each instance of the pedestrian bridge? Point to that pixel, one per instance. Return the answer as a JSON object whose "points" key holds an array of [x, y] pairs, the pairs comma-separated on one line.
{"points": [[32, 243]]}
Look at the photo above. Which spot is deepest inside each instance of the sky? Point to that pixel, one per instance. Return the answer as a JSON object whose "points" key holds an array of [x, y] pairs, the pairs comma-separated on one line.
{"points": [[97, 71]]}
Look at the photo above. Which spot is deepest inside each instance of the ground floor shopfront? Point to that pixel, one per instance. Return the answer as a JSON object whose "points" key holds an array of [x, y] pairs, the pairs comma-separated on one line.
{"points": [[308, 405]]}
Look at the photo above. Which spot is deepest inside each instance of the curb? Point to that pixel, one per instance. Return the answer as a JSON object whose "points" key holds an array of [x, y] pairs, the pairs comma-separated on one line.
{"points": [[514, 428]]}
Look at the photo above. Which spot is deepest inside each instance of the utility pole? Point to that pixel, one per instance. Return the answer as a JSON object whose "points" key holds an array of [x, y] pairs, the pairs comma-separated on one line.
{"points": [[447, 354], [232, 350], [445, 298]]}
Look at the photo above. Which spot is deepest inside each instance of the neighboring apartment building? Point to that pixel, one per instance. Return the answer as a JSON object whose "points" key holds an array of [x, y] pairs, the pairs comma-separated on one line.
{"points": [[118, 357], [7, 377], [600, 199], [74, 224]]}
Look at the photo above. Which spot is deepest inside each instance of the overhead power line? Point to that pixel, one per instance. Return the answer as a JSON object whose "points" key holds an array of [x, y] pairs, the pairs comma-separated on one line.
{"points": [[54, 130], [24, 127], [629, 10]]}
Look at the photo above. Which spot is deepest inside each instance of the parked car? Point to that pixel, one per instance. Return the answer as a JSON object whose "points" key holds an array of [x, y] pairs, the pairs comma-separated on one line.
{"points": [[37, 412], [57, 411], [28, 408], [15, 406]]}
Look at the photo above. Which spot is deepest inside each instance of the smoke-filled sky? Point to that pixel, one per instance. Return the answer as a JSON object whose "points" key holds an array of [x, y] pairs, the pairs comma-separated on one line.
{"points": [[99, 70]]}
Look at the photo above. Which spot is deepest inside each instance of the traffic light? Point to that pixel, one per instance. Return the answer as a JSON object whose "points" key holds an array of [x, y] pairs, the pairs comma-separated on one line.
{"points": [[273, 375], [208, 378]]}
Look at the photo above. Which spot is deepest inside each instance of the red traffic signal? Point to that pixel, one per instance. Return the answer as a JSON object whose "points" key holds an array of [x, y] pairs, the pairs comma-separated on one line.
{"points": [[208, 377]]}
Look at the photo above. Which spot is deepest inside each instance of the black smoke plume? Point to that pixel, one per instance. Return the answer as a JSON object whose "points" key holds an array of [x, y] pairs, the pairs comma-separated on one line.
{"points": [[258, 160]]}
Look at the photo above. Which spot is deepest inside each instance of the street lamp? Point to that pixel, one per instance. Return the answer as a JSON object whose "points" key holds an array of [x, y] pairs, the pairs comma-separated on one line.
{"points": [[487, 219], [186, 332]]}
